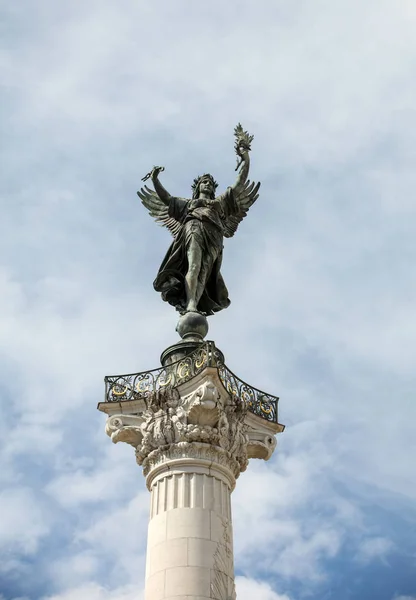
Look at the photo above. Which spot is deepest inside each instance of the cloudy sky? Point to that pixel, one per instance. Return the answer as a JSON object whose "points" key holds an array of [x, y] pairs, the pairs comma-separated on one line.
{"points": [[321, 278]]}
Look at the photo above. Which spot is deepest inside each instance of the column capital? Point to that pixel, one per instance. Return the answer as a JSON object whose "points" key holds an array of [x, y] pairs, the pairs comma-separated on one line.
{"points": [[198, 427], [198, 424]]}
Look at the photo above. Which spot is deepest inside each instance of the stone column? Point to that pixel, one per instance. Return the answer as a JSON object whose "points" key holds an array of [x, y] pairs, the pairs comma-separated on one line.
{"points": [[192, 441], [189, 546]]}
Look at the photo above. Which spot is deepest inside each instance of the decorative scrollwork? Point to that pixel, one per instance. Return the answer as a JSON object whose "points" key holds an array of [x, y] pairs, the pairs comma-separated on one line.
{"points": [[164, 379], [120, 388], [184, 370], [266, 406], [200, 359], [261, 404]]}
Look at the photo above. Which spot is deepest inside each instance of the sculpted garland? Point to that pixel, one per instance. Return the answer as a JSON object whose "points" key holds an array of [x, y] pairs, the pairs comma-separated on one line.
{"points": [[190, 277]]}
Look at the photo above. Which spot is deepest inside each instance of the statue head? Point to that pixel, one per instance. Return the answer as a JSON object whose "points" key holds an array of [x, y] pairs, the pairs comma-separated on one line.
{"points": [[208, 183]]}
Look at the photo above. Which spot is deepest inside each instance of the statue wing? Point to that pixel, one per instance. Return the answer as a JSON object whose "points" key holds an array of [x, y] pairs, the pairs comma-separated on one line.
{"points": [[158, 210], [243, 200]]}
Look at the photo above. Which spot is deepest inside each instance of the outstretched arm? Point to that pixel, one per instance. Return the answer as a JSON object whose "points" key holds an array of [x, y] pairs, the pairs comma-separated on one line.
{"points": [[243, 173], [159, 189]]}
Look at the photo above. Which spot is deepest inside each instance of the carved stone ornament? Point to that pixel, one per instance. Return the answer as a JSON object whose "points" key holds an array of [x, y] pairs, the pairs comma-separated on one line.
{"points": [[198, 421], [176, 424]]}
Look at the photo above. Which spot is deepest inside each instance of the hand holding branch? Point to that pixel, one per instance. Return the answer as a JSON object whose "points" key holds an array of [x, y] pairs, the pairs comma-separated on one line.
{"points": [[242, 145]]}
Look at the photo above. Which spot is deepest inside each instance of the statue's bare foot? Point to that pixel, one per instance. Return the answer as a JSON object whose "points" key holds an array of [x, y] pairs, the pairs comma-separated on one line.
{"points": [[184, 311], [192, 310]]}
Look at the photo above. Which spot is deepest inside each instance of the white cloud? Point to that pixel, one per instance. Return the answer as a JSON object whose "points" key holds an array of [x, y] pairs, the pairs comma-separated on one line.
{"points": [[119, 536], [23, 521], [374, 548], [75, 571], [247, 589], [93, 591], [104, 484]]}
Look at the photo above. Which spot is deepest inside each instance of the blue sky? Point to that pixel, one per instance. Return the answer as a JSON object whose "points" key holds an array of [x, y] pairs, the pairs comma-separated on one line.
{"points": [[321, 279]]}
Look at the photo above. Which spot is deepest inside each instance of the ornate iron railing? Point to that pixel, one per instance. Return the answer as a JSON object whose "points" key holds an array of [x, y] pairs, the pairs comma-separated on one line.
{"points": [[135, 386]]}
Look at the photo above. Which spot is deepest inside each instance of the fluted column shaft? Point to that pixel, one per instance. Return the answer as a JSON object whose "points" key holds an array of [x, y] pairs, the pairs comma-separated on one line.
{"points": [[189, 548]]}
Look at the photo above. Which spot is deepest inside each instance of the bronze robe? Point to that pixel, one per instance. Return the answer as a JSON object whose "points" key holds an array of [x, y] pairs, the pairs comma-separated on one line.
{"points": [[202, 221]]}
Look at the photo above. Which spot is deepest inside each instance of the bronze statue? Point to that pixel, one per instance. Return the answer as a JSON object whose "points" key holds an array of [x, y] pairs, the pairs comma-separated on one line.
{"points": [[189, 277]]}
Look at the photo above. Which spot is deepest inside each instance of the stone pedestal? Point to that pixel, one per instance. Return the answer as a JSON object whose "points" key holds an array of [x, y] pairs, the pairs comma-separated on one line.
{"points": [[193, 437]]}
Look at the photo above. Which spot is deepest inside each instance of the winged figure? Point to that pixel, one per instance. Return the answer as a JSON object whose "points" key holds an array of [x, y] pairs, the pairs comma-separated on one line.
{"points": [[189, 277]]}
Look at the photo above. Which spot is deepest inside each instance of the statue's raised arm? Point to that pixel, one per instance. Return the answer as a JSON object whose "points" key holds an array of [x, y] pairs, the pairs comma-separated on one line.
{"points": [[244, 192], [157, 202], [242, 147], [160, 190]]}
